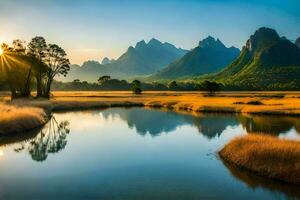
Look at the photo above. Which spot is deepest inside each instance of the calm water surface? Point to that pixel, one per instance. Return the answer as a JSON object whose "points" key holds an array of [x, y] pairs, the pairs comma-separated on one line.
{"points": [[137, 154]]}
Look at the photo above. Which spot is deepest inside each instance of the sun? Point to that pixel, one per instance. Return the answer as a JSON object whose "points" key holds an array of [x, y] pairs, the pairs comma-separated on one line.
{"points": [[1, 51]]}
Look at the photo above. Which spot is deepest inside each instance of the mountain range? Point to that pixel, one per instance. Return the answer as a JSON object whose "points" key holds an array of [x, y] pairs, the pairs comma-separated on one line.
{"points": [[267, 61], [209, 56], [143, 59]]}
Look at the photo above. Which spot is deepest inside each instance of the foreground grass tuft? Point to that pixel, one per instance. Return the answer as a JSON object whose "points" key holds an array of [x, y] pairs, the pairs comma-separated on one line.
{"points": [[265, 155], [15, 119]]}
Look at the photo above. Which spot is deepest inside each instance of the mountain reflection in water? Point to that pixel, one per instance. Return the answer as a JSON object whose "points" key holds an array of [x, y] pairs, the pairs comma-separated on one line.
{"points": [[52, 138], [137, 153]]}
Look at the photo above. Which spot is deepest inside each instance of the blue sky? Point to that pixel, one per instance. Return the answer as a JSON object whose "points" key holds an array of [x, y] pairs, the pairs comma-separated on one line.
{"points": [[93, 29]]}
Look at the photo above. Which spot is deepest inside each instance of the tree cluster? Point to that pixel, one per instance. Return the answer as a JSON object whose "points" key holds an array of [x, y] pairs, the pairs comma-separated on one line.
{"points": [[24, 67]]}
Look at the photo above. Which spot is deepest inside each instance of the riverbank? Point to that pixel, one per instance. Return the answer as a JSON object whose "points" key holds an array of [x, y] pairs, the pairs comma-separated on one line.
{"points": [[275, 103], [14, 119], [266, 156], [262, 103]]}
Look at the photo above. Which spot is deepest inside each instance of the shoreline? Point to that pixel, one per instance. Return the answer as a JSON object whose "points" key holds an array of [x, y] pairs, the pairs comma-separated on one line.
{"points": [[186, 102], [265, 156], [253, 103]]}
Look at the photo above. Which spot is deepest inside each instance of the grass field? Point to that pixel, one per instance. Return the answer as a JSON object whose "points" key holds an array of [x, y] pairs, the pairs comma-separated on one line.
{"points": [[265, 155], [286, 103]]}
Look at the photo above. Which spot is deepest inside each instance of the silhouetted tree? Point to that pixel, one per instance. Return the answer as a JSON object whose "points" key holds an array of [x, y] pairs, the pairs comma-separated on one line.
{"points": [[173, 85], [136, 87], [103, 79], [57, 64], [37, 48], [211, 87]]}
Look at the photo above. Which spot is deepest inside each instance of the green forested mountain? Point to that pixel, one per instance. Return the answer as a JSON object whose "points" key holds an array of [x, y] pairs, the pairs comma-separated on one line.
{"points": [[143, 59], [209, 56], [267, 61]]}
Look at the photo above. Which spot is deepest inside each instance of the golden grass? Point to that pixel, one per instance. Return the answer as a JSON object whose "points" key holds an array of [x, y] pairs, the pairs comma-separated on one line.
{"points": [[265, 155], [17, 119], [276, 103]]}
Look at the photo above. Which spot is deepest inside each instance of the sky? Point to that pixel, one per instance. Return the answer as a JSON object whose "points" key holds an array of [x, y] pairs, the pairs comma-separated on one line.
{"points": [[94, 29]]}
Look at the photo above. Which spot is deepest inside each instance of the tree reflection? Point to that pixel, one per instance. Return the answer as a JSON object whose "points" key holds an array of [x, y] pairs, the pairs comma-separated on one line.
{"points": [[272, 125], [51, 139]]}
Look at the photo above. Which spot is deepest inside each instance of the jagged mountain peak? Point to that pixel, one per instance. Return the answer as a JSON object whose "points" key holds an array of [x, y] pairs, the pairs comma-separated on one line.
{"points": [[262, 38], [266, 60], [105, 60], [90, 62], [140, 44], [154, 41], [210, 42]]}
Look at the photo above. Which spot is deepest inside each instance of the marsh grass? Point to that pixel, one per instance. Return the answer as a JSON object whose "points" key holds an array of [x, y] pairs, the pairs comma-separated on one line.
{"points": [[15, 119], [267, 156]]}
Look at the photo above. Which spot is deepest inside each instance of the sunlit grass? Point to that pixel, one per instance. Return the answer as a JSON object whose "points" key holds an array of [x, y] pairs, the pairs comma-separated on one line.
{"points": [[288, 103], [265, 155], [17, 119]]}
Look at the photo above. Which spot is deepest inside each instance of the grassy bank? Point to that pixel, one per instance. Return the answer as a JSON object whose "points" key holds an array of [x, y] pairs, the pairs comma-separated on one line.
{"points": [[15, 119], [266, 156], [22, 114], [283, 103]]}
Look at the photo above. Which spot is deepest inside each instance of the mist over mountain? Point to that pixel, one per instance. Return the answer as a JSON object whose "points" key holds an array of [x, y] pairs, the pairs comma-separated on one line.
{"points": [[266, 61], [209, 56], [143, 59]]}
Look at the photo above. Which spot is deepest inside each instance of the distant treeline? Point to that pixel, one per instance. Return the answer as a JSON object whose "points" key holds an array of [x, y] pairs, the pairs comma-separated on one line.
{"points": [[105, 83]]}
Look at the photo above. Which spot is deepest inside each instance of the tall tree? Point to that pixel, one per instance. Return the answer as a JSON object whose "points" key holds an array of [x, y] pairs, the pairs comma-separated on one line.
{"points": [[19, 49], [57, 64], [37, 48], [136, 87]]}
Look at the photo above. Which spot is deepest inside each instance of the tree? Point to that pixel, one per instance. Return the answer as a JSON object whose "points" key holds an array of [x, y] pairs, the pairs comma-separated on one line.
{"points": [[136, 87], [211, 87], [103, 79], [172, 85], [14, 68], [19, 48], [37, 48], [57, 64]]}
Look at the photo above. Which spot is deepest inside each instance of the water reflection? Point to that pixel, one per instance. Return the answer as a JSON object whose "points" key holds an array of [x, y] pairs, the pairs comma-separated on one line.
{"points": [[110, 152], [273, 125], [257, 182], [52, 138], [156, 122]]}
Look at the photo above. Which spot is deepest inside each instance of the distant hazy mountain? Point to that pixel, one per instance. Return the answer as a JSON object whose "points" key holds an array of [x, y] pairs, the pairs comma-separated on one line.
{"points": [[267, 60], [298, 42], [106, 60], [88, 71], [143, 59], [209, 56], [146, 58]]}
